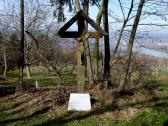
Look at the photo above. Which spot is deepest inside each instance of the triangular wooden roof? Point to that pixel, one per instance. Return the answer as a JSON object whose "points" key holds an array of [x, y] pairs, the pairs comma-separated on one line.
{"points": [[80, 15]]}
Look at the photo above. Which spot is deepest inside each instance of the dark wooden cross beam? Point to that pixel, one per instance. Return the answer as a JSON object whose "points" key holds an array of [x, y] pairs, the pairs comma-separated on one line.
{"points": [[80, 17]]}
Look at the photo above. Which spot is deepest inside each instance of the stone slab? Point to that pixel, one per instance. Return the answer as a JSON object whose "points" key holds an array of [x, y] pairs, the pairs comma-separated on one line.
{"points": [[79, 102]]}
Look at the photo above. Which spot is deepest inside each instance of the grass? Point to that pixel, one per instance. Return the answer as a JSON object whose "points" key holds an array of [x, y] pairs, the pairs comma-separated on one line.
{"points": [[154, 115], [42, 76], [11, 120]]}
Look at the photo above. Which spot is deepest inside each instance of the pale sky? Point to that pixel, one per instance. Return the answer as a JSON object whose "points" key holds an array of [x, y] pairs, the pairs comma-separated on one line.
{"points": [[115, 11]]}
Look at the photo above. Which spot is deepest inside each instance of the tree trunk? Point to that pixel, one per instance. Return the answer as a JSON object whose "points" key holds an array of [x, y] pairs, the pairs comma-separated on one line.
{"points": [[77, 2], [130, 45], [21, 40], [106, 39], [5, 60], [28, 71], [96, 53], [89, 62]]}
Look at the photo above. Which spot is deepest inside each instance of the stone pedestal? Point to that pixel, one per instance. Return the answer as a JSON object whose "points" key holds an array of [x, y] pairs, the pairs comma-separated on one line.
{"points": [[79, 102]]}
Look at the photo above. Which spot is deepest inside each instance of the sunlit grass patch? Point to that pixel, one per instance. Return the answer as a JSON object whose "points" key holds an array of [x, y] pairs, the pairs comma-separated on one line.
{"points": [[40, 75]]}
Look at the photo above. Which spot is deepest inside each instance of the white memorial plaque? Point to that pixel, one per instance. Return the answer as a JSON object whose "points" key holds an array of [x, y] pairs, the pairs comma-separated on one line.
{"points": [[79, 102]]}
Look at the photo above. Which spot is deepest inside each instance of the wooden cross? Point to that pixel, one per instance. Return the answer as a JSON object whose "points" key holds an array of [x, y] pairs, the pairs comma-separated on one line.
{"points": [[82, 36]]}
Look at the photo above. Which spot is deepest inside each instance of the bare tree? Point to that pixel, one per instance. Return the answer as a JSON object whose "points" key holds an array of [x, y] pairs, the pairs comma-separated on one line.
{"points": [[96, 53], [130, 44], [106, 39], [126, 19], [5, 23]]}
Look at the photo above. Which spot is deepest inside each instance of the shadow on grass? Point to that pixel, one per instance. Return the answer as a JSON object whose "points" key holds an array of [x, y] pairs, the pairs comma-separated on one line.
{"points": [[25, 101], [7, 90], [78, 116], [8, 121], [162, 104], [165, 123], [70, 116]]}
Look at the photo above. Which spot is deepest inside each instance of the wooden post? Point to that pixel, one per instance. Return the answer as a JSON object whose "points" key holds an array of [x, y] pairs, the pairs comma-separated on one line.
{"points": [[81, 58], [86, 44], [80, 67], [89, 64], [81, 25], [88, 57]]}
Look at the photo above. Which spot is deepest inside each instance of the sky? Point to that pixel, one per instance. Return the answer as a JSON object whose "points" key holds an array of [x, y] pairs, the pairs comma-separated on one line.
{"points": [[116, 12]]}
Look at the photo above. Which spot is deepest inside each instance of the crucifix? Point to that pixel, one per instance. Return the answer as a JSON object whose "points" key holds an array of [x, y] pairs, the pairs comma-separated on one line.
{"points": [[81, 35]]}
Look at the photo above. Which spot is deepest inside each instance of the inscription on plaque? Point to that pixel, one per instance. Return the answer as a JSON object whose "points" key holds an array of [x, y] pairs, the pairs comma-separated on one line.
{"points": [[79, 102]]}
